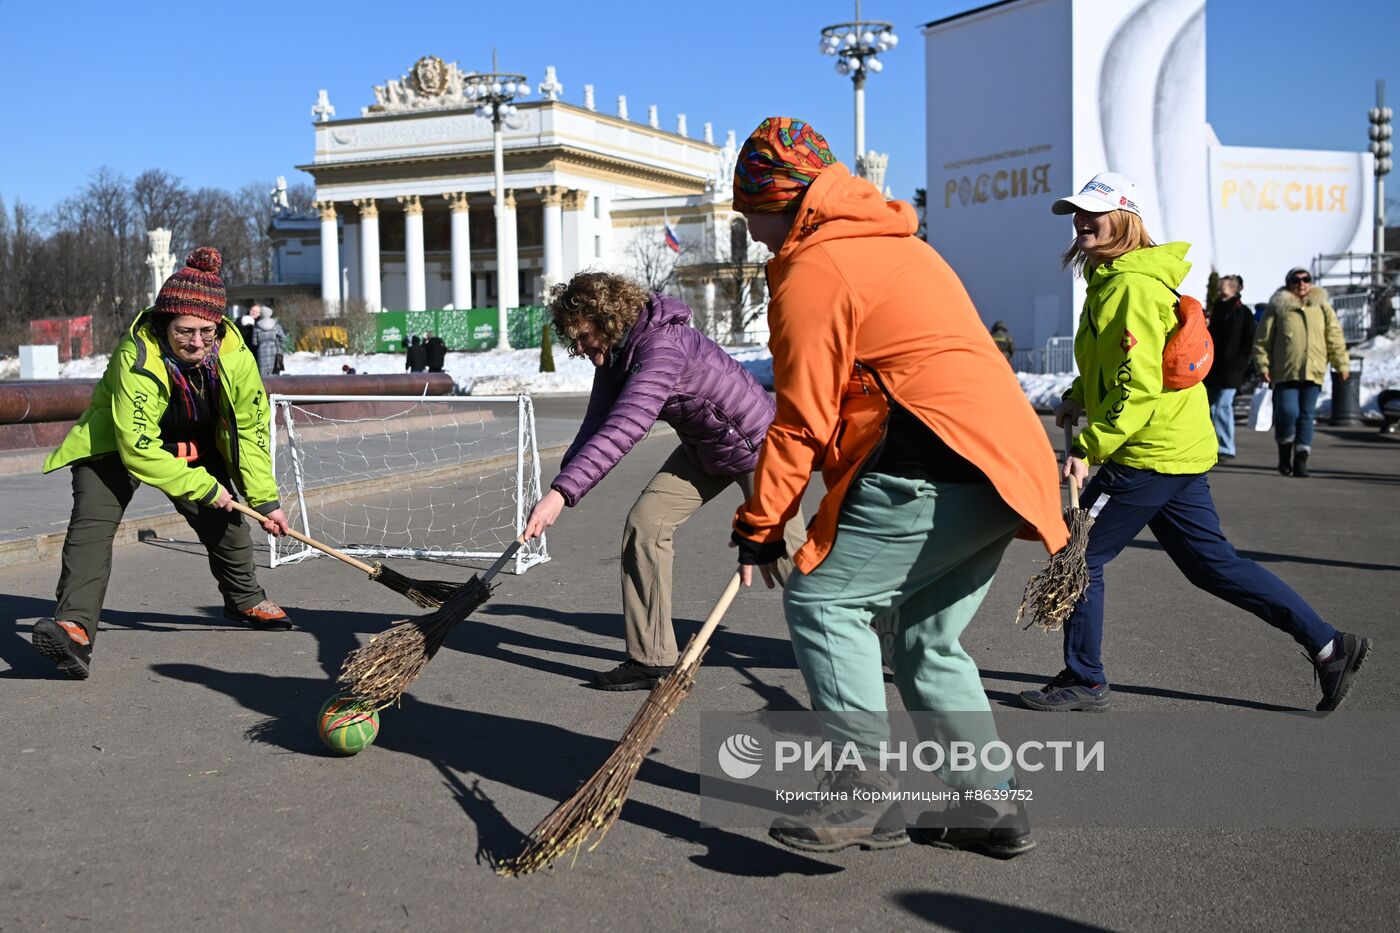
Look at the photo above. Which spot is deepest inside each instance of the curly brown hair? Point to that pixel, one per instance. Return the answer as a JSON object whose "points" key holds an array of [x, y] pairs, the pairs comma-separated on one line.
{"points": [[608, 303]]}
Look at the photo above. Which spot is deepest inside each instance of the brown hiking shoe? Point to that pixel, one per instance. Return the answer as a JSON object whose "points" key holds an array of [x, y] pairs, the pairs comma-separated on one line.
{"points": [[266, 616], [853, 809]]}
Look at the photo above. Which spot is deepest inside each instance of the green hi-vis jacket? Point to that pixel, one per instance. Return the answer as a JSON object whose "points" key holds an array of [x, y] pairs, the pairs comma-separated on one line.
{"points": [[1129, 313], [129, 401]]}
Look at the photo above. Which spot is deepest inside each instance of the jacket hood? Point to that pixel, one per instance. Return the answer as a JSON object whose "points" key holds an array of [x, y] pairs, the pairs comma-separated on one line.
{"points": [[660, 311], [1284, 300], [840, 206], [265, 323], [1166, 263]]}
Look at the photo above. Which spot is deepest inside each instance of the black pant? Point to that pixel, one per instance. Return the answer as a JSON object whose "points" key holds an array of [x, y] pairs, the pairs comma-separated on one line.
{"points": [[102, 489]]}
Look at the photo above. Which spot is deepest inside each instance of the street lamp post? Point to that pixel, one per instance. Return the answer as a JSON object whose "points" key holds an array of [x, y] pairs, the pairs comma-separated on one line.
{"points": [[857, 46], [1379, 116], [494, 93]]}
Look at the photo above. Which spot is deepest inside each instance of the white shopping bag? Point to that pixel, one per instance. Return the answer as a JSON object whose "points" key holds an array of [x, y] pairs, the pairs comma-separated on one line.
{"points": [[1261, 409]]}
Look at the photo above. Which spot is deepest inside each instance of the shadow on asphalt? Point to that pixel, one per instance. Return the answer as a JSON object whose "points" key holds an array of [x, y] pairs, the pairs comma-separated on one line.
{"points": [[1315, 471], [26, 663], [1013, 701], [965, 914], [538, 758], [1270, 557]]}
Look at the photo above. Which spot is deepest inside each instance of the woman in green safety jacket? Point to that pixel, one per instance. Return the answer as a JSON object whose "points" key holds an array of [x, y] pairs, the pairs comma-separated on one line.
{"points": [[182, 408], [1154, 447]]}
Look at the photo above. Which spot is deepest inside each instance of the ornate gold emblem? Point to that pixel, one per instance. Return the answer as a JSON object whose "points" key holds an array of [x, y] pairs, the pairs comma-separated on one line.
{"points": [[430, 76]]}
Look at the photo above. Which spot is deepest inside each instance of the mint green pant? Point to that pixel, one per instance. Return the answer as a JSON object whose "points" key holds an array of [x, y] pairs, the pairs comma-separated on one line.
{"points": [[929, 550]]}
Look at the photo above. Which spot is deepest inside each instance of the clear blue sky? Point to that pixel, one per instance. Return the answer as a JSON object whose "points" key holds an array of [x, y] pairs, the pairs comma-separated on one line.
{"points": [[220, 94]]}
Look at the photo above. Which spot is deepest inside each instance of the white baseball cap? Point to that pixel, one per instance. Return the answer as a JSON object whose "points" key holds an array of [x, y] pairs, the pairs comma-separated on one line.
{"points": [[1106, 191]]}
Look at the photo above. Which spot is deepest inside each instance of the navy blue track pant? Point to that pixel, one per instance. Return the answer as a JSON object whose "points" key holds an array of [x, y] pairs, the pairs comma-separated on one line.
{"points": [[1181, 515]]}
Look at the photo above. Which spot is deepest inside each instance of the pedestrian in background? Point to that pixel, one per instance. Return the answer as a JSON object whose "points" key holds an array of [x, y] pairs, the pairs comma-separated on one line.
{"points": [[269, 339], [1154, 447], [248, 322], [1232, 333], [416, 360], [1297, 338], [435, 349], [1001, 336]]}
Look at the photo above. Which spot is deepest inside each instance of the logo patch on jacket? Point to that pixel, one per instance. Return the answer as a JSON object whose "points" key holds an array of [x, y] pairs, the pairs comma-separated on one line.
{"points": [[1129, 341], [636, 368]]}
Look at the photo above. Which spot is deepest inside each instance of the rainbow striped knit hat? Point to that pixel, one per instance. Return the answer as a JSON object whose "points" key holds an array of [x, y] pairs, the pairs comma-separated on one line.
{"points": [[196, 289]]}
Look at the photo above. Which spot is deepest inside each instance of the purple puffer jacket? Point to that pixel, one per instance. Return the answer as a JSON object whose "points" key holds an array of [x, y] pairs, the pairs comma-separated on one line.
{"points": [[667, 370]]}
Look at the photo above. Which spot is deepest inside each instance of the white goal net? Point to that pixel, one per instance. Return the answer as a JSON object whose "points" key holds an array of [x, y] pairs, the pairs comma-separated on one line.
{"points": [[449, 477]]}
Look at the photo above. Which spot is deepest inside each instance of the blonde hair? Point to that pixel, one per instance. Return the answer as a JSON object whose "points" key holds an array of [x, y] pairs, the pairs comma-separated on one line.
{"points": [[606, 302], [1126, 233]]}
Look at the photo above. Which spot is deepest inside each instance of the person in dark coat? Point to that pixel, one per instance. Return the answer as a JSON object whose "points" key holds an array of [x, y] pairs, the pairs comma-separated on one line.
{"points": [[436, 350], [417, 356], [652, 365], [1232, 333], [1001, 336]]}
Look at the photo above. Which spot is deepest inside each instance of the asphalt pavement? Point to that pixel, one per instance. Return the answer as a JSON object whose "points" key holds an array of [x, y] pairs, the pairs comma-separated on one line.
{"points": [[183, 786]]}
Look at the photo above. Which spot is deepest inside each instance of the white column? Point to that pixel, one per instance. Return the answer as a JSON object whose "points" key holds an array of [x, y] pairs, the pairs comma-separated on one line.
{"points": [[602, 226], [575, 234], [507, 264], [413, 251], [553, 234], [369, 254], [330, 257], [350, 278], [461, 250]]}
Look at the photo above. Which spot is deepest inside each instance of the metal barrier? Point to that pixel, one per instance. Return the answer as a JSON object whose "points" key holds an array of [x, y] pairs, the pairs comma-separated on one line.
{"points": [[1354, 313]]}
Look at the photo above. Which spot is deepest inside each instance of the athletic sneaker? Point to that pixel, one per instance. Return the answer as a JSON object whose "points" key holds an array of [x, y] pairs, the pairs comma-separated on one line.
{"points": [[52, 639], [1335, 676], [1001, 829], [1067, 693], [631, 675], [856, 820], [266, 616]]}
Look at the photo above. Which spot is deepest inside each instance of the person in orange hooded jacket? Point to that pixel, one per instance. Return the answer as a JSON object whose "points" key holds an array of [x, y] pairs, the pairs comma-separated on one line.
{"points": [[890, 384]]}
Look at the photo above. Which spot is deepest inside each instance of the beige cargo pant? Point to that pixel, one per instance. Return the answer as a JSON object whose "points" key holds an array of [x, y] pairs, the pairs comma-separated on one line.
{"points": [[675, 493]]}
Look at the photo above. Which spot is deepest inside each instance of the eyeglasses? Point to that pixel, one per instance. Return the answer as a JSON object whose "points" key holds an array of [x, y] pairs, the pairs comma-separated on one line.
{"points": [[1299, 278], [187, 334]]}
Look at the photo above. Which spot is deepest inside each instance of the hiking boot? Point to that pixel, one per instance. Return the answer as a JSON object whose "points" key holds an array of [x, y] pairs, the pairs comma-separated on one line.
{"points": [[849, 818], [1067, 693], [1285, 459], [55, 640], [995, 827], [1300, 462], [266, 616], [631, 675], [1348, 654]]}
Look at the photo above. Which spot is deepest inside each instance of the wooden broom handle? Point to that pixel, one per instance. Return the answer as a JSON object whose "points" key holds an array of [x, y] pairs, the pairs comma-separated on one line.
{"points": [[1073, 483], [702, 638], [312, 542]]}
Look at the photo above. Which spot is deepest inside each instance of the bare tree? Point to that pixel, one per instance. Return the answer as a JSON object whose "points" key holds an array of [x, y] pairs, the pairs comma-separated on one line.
{"points": [[160, 200], [741, 278], [653, 261]]}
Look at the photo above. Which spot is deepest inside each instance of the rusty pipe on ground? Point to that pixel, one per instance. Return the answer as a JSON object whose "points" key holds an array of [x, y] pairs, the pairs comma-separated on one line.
{"points": [[36, 401]]}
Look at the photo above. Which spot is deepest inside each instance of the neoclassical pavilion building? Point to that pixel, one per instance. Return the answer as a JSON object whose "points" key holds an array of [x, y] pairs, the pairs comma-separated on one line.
{"points": [[405, 194]]}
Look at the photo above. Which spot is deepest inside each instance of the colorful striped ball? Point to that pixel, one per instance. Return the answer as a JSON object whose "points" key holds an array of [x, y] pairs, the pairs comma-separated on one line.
{"points": [[346, 725]]}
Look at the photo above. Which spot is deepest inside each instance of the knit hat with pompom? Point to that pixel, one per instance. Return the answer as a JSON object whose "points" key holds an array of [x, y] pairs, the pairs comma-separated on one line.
{"points": [[196, 289]]}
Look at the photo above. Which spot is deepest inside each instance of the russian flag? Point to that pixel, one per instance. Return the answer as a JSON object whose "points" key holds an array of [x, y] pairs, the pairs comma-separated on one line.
{"points": [[671, 239]]}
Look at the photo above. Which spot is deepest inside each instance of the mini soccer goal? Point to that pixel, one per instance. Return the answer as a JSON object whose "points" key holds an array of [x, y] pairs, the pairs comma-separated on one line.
{"points": [[448, 478]]}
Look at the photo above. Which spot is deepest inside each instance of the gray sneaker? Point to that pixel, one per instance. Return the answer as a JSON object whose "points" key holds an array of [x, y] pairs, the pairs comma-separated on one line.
{"points": [[999, 828], [853, 815]]}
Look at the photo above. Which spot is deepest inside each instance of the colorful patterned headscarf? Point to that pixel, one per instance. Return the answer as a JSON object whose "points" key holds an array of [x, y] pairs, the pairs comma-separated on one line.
{"points": [[776, 164]]}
